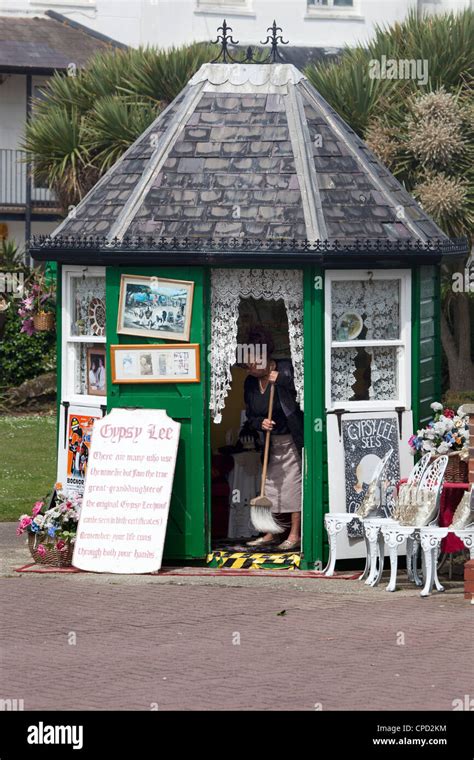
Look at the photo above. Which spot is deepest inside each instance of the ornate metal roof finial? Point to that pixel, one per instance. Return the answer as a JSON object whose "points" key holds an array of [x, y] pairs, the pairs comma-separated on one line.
{"points": [[274, 38], [225, 39]]}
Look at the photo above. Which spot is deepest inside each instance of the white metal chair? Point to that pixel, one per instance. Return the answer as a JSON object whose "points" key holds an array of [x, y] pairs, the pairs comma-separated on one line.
{"points": [[335, 521], [393, 539], [429, 536], [466, 534]]}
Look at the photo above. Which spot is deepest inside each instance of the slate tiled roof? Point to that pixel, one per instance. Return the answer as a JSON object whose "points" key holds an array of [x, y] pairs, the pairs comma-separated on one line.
{"points": [[47, 44], [250, 151]]}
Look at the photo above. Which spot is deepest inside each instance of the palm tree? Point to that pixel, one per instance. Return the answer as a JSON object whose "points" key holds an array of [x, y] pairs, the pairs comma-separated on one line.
{"points": [[424, 134], [82, 124]]}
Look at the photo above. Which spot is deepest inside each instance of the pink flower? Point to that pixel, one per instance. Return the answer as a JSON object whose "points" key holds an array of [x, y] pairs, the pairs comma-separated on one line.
{"points": [[25, 521], [28, 327], [37, 508], [449, 413], [41, 550]]}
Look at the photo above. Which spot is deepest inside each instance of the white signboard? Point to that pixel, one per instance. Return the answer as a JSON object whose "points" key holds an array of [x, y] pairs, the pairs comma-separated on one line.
{"points": [[127, 493], [353, 456]]}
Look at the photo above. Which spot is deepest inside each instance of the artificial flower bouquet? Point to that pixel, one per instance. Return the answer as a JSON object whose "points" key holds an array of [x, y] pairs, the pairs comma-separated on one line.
{"points": [[447, 433], [52, 532]]}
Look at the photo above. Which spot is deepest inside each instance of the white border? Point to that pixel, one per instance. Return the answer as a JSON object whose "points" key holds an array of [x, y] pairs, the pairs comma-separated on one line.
{"points": [[67, 340], [404, 343]]}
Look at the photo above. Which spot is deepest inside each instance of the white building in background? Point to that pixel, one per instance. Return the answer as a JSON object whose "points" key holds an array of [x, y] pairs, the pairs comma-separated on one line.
{"points": [[313, 23], [314, 28]]}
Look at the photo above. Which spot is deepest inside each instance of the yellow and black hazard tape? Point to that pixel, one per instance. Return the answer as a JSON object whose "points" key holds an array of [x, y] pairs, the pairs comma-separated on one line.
{"points": [[253, 561]]}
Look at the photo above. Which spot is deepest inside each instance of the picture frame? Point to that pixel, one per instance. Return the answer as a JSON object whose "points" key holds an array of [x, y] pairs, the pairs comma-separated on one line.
{"points": [[96, 371], [155, 363], [155, 307]]}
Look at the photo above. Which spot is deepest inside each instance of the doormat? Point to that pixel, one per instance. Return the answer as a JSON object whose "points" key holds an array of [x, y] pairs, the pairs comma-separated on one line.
{"points": [[254, 560], [34, 568]]}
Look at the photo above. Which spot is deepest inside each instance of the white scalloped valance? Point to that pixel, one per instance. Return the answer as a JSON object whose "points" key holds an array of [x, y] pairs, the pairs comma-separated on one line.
{"points": [[240, 74], [228, 286]]}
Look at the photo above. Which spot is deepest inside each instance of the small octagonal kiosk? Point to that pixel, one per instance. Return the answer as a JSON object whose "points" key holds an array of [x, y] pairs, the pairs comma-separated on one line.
{"points": [[252, 193]]}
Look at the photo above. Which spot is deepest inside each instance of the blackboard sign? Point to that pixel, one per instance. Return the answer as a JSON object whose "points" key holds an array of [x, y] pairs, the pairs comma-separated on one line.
{"points": [[366, 441]]}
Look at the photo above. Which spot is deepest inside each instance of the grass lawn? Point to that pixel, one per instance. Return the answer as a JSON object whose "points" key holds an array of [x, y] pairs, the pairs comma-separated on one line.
{"points": [[27, 462]]}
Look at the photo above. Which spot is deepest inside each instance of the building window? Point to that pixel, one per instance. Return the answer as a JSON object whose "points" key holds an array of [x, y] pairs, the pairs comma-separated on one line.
{"points": [[67, 3], [334, 8], [368, 335], [228, 6], [331, 3], [83, 329]]}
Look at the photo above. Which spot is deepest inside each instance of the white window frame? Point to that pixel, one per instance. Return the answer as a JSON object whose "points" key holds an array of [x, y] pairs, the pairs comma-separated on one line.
{"points": [[92, 4], [67, 376], [207, 7], [403, 343], [334, 11]]}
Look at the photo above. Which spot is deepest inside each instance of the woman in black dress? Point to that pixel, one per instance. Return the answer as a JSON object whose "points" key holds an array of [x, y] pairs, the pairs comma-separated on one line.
{"points": [[283, 484]]}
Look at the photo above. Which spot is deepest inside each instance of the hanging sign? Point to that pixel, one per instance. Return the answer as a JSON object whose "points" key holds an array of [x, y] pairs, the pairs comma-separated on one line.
{"points": [[127, 493]]}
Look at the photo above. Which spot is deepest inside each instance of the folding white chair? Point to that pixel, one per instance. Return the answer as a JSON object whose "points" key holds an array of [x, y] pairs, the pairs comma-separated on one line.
{"points": [[393, 538], [335, 521], [395, 533]]}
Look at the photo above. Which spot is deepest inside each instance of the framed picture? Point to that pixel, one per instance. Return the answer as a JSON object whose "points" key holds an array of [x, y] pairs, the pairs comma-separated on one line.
{"points": [[164, 363], [154, 307], [96, 378]]}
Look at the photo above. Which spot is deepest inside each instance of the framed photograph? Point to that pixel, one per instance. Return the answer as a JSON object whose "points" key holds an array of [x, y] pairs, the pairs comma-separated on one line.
{"points": [[164, 363], [155, 307], [96, 377]]}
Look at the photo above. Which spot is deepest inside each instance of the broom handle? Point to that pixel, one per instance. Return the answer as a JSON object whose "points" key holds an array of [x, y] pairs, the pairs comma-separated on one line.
{"points": [[267, 441]]}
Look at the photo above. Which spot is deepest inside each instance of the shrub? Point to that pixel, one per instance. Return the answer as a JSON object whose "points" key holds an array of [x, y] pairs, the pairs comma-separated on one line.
{"points": [[23, 357]]}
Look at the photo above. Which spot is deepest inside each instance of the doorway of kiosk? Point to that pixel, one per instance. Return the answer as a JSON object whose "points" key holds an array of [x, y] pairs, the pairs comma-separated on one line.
{"points": [[237, 448]]}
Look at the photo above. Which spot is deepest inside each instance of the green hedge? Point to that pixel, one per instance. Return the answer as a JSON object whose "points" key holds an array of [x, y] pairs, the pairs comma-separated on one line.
{"points": [[23, 357]]}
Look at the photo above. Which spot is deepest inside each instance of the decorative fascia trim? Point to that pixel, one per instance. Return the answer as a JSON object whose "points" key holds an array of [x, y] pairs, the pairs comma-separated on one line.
{"points": [[239, 74], [242, 251]]}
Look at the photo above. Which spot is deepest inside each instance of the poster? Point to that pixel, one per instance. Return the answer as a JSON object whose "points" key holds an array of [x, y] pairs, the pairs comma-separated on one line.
{"points": [[122, 526], [76, 432]]}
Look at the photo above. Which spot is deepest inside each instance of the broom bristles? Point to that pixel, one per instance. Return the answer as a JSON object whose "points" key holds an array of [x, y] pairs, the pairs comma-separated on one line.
{"points": [[263, 520]]}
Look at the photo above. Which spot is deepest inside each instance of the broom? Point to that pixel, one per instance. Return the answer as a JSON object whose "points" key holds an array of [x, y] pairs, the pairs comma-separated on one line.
{"points": [[260, 514]]}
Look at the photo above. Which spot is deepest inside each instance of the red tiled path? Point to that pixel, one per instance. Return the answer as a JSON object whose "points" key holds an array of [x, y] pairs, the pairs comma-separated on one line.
{"points": [[172, 645]]}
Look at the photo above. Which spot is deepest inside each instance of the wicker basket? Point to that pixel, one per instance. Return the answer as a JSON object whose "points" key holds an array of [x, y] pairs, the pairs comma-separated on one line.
{"points": [[43, 321], [456, 469], [53, 557]]}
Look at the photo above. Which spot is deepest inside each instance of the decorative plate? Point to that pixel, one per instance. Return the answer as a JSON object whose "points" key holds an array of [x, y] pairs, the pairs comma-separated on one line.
{"points": [[349, 326], [97, 316]]}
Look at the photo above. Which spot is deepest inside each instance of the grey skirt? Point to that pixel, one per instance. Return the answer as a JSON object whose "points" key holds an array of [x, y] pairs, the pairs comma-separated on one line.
{"points": [[283, 484]]}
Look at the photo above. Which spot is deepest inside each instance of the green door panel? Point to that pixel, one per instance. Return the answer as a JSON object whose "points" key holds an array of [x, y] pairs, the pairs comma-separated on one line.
{"points": [[186, 536]]}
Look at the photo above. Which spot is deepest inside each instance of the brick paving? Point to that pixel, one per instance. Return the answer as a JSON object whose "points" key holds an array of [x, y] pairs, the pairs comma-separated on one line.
{"points": [[144, 640]]}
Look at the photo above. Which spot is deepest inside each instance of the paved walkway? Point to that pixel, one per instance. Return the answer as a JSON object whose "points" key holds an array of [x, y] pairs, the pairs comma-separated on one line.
{"points": [[87, 641]]}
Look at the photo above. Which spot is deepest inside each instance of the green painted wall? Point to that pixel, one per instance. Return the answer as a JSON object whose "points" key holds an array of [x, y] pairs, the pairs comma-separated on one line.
{"points": [[315, 502], [186, 536], [426, 342]]}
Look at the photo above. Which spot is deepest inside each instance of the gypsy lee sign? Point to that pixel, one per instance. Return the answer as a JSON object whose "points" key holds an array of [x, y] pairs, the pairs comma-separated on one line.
{"points": [[366, 441], [127, 492]]}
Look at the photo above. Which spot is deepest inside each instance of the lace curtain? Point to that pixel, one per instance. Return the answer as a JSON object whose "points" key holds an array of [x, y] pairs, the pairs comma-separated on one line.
{"points": [[365, 310], [384, 374], [376, 304], [228, 287]]}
